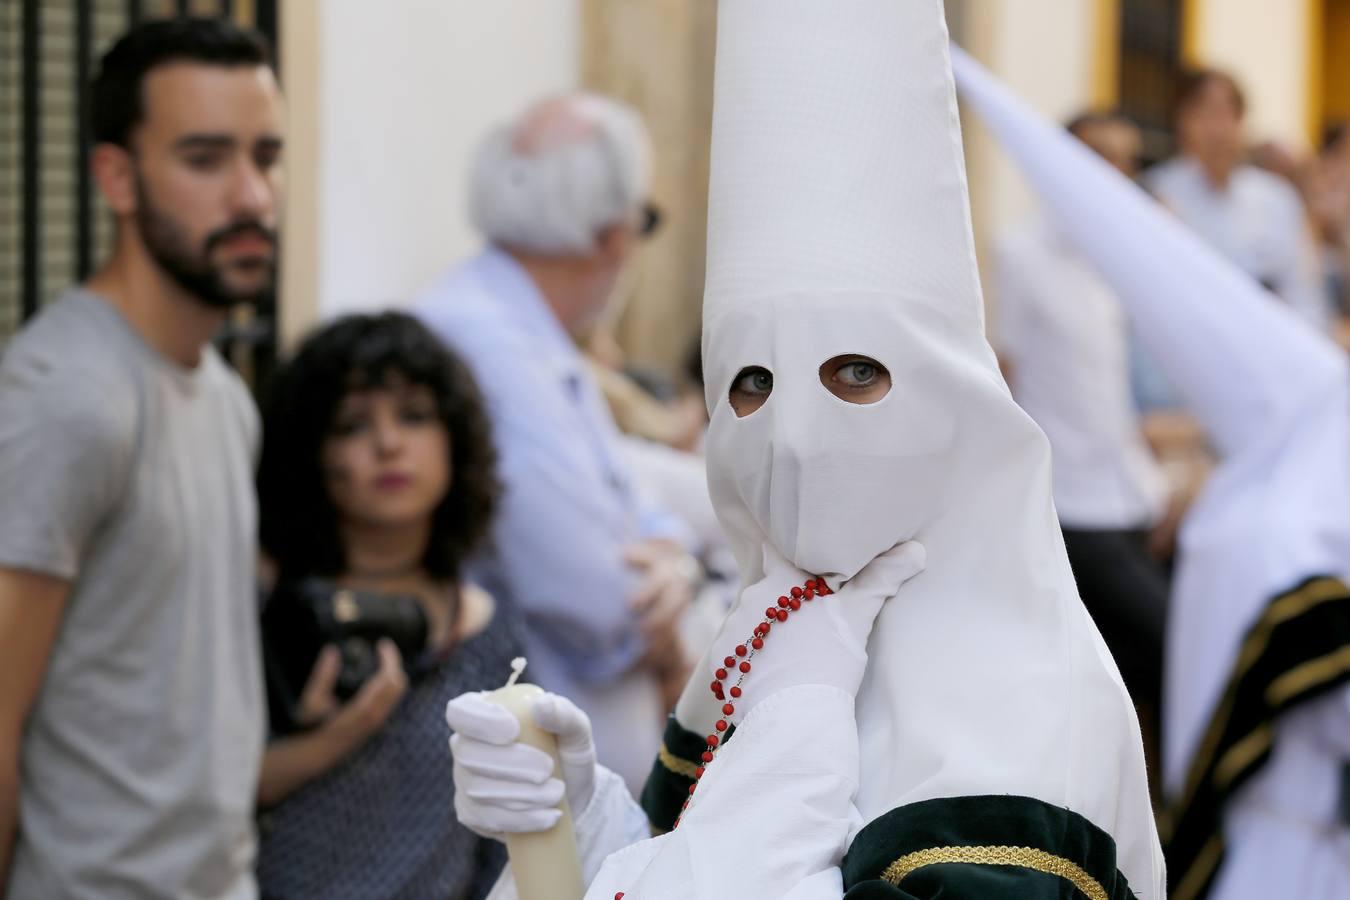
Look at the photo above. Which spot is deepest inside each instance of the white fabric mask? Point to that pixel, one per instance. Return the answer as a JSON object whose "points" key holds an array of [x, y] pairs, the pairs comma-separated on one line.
{"points": [[830, 483], [814, 252]]}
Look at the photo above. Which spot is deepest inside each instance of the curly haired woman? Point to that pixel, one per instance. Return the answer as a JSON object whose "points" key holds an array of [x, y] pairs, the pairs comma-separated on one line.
{"points": [[377, 479]]}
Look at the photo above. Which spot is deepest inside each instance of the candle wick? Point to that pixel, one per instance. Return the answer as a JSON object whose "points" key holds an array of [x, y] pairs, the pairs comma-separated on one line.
{"points": [[517, 667]]}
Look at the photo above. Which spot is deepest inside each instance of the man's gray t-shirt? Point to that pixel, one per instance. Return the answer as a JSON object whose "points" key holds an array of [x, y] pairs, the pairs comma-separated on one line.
{"points": [[132, 478]]}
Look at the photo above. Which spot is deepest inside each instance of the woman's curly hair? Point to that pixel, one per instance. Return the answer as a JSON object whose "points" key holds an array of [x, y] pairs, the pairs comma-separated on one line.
{"points": [[298, 523]]}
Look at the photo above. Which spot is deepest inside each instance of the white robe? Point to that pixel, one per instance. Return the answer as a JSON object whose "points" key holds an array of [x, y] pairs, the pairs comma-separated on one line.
{"points": [[771, 820], [1274, 398], [1271, 516]]}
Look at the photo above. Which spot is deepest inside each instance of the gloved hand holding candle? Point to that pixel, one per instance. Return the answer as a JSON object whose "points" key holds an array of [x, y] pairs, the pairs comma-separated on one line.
{"points": [[524, 760]]}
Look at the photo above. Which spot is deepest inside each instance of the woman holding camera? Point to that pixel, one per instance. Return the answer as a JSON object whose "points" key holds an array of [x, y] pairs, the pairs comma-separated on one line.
{"points": [[376, 481]]}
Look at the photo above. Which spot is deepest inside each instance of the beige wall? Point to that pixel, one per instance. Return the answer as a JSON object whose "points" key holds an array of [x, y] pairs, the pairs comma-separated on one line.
{"points": [[1266, 45], [299, 294], [658, 56], [387, 103], [1044, 51]]}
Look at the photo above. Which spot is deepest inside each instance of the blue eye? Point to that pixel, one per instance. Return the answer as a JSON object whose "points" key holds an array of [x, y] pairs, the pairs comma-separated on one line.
{"points": [[857, 373], [753, 381]]}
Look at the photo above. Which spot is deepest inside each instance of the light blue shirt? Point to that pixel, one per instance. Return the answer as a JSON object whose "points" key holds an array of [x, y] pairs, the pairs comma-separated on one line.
{"points": [[570, 507], [1257, 222]]}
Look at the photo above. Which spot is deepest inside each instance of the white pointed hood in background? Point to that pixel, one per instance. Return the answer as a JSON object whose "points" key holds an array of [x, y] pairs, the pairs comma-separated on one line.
{"points": [[1272, 394], [839, 224]]}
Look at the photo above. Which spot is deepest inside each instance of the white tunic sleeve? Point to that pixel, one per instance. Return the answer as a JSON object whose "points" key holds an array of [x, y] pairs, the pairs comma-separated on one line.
{"points": [[771, 819]]}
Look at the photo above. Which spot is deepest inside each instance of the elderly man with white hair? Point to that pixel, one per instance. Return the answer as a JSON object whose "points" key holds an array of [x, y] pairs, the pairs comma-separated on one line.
{"points": [[598, 573]]}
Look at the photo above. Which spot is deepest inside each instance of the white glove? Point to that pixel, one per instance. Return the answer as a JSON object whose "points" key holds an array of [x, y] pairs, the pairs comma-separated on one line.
{"points": [[504, 787], [823, 642]]}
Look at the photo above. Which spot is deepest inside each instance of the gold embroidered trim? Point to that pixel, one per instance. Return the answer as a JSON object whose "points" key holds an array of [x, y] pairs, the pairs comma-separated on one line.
{"points": [[675, 764], [1242, 753], [1310, 674], [1205, 863], [1283, 609], [1290, 684], [1024, 857]]}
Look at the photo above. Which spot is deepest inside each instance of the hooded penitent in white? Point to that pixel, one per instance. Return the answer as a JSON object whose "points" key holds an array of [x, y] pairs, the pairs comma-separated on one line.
{"points": [[1258, 654], [839, 225]]}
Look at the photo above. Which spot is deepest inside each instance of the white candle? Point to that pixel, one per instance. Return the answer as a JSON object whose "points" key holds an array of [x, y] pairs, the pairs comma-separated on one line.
{"points": [[545, 864]]}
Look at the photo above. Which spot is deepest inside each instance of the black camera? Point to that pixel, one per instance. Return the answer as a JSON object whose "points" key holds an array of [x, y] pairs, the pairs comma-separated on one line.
{"points": [[301, 618]]}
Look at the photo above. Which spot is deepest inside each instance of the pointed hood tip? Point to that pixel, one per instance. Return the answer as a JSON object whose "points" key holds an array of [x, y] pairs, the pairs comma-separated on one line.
{"points": [[1242, 360]]}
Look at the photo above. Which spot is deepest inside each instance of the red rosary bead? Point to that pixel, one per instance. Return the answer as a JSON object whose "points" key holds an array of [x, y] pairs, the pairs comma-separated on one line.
{"points": [[618, 896], [814, 588]]}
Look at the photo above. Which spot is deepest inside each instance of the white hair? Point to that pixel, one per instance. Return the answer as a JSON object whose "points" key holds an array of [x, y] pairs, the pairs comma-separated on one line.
{"points": [[555, 194]]}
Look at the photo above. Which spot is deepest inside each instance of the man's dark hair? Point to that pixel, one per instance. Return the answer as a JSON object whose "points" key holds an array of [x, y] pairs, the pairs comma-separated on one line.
{"points": [[298, 521], [1094, 117], [1192, 81], [116, 99]]}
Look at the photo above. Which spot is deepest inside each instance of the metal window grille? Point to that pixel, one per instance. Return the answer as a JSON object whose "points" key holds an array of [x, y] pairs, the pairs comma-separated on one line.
{"points": [[53, 227], [1150, 61]]}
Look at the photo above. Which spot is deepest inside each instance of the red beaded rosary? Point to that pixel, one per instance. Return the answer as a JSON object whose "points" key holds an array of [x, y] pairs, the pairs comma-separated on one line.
{"points": [[740, 665]]}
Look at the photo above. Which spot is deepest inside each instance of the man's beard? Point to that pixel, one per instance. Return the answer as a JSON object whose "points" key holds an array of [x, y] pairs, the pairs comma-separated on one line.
{"points": [[167, 242]]}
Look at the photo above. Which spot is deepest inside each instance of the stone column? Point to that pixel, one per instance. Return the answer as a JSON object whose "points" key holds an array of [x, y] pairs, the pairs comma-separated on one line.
{"points": [[658, 56]]}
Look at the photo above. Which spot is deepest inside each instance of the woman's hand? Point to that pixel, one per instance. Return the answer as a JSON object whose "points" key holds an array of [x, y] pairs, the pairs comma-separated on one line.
{"points": [[366, 712], [339, 729]]}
